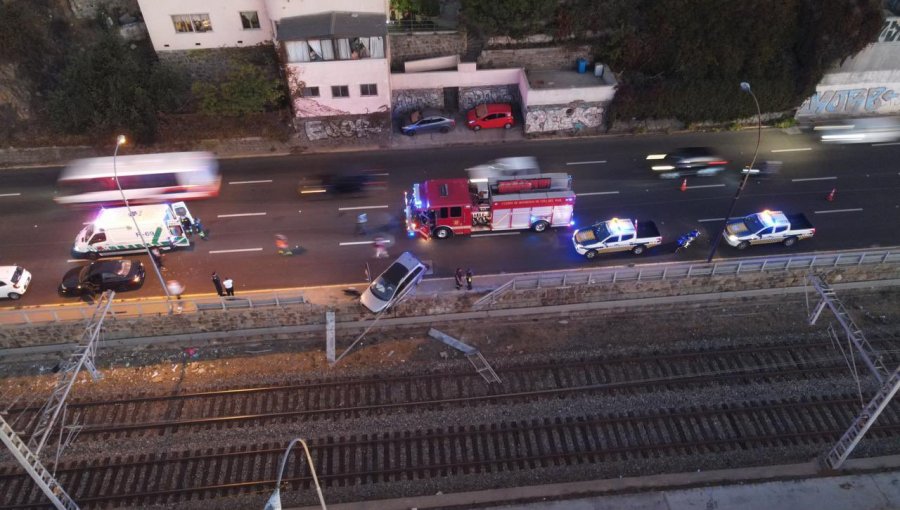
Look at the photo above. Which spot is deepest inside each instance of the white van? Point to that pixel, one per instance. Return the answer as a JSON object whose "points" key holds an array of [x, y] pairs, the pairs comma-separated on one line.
{"points": [[113, 232], [14, 281]]}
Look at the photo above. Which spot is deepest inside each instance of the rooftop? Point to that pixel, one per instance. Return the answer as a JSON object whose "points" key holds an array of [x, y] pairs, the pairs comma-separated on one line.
{"points": [[542, 79]]}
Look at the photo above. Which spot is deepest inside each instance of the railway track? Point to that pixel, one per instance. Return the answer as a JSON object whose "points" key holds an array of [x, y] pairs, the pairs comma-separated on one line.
{"points": [[416, 455], [674, 371]]}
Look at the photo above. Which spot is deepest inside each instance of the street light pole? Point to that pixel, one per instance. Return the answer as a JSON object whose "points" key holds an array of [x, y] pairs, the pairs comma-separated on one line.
{"points": [[712, 252], [274, 502], [120, 141]]}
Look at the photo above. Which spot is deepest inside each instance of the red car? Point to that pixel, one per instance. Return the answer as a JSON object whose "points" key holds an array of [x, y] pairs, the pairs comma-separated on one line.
{"points": [[490, 116]]}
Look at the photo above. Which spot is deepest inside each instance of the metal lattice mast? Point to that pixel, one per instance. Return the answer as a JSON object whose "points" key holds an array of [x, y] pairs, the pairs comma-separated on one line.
{"points": [[869, 355], [83, 356], [29, 460]]}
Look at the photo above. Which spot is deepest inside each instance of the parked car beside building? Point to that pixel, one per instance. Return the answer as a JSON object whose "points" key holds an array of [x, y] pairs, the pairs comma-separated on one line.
{"points": [[427, 121], [492, 115]]}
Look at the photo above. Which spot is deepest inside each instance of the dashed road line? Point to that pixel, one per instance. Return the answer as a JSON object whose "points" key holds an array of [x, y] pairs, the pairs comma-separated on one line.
{"points": [[10, 195], [586, 162], [839, 211], [235, 251], [357, 243], [361, 207], [240, 215], [597, 193], [706, 186], [705, 220], [251, 182], [497, 234], [814, 179], [793, 150], [383, 174], [884, 144]]}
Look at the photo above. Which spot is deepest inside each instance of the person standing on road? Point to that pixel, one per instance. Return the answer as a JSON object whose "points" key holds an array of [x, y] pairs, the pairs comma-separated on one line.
{"points": [[361, 221], [229, 286], [175, 288], [469, 278], [459, 278], [218, 284], [380, 247], [157, 258], [187, 226]]}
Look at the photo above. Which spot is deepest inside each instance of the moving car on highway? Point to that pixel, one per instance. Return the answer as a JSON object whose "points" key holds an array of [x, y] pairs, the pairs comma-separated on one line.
{"points": [[392, 285], [14, 282], [768, 227], [687, 161], [97, 277], [427, 121], [492, 115], [336, 184]]}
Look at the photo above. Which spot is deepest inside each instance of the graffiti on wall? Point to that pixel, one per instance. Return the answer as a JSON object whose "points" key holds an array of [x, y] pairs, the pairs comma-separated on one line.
{"points": [[890, 30], [545, 120], [406, 101], [850, 101], [470, 98], [342, 128]]}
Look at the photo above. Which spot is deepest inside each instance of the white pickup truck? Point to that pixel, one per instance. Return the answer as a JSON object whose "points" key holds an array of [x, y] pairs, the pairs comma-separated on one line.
{"points": [[768, 227], [616, 235]]}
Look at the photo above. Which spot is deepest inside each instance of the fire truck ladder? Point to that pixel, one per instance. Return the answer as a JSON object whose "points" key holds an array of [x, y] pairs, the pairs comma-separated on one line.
{"points": [[474, 356], [83, 356], [24, 456], [890, 382]]}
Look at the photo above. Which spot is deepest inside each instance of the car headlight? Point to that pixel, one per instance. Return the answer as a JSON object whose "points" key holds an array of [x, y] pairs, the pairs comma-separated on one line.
{"points": [[136, 279], [662, 167], [732, 238]]}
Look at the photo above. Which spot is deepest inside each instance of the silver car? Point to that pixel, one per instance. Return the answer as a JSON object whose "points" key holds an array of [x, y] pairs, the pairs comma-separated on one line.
{"points": [[392, 285]]}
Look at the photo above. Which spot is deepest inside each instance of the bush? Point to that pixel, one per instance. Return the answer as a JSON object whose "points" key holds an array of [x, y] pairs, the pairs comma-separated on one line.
{"points": [[247, 89]]}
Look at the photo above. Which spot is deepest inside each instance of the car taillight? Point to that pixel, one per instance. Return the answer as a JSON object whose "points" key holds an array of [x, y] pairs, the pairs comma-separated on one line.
{"points": [[722, 162], [813, 231]]}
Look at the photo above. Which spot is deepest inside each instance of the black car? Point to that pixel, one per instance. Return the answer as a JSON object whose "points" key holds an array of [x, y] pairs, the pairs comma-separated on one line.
{"points": [[701, 161], [336, 184], [97, 277]]}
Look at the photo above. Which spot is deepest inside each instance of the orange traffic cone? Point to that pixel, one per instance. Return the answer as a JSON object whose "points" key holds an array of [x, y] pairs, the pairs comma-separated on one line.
{"points": [[830, 196], [683, 185]]}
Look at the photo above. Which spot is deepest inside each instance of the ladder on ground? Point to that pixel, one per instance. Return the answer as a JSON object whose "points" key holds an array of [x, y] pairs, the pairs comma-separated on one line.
{"points": [[24, 456], [483, 367], [863, 422]]}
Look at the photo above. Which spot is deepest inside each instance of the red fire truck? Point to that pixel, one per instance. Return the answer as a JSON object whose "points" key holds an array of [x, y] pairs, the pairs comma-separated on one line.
{"points": [[444, 207]]}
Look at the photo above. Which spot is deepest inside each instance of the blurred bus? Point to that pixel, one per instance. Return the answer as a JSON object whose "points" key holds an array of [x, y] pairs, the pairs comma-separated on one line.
{"points": [[145, 178]]}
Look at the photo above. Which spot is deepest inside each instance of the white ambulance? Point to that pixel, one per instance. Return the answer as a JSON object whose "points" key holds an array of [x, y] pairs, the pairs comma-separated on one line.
{"points": [[113, 231]]}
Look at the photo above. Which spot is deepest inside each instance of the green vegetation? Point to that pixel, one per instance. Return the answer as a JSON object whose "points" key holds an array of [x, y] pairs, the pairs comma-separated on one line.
{"points": [[247, 89], [109, 89]]}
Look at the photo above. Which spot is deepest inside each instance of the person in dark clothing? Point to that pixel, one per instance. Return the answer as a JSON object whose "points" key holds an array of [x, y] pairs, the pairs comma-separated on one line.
{"points": [[469, 278], [198, 226], [187, 226], [157, 257], [459, 278], [218, 284]]}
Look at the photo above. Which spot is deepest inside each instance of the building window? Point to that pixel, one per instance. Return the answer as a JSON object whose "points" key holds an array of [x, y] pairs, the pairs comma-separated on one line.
{"points": [[310, 92], [249, 19], [315, 50], [191, 23], [340, 91], [368, 89]]}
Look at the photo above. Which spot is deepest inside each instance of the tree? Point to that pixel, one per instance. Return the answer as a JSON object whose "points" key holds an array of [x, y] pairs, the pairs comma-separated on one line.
{"points": [[108, 89], [247, 89], [514, 18]]}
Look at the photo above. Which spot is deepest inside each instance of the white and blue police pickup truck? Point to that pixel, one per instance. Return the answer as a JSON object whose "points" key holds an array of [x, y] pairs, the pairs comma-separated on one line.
{"points": [[616, 235], [768, 227]]}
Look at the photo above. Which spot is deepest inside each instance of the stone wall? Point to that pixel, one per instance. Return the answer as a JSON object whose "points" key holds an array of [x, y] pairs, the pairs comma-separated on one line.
{"points": [[428, 305], [45, 155], [90, 8], [557, 57], [416, 46], [470, 97], [405, 101], [213, 64], [337, 131], [577, 118]]}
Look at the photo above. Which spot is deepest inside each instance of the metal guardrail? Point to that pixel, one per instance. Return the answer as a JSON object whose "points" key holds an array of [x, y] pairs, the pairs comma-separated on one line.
{"points": [[679, 270], [149, 308]]}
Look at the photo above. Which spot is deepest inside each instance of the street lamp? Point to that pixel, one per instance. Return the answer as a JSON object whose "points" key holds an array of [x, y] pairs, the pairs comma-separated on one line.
{"points": [[120, 141], [745, 86], [274, 502]]}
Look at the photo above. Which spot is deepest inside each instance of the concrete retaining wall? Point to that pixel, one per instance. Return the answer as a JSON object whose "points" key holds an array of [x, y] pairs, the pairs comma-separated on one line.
{"points": [[423, 305], [422, 45], [212, 64], [557, 57], [350, 130]]}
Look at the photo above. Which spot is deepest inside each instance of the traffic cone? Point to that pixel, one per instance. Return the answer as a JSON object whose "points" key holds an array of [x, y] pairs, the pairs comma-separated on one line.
{"points": [[830, 196], [683, 185]]}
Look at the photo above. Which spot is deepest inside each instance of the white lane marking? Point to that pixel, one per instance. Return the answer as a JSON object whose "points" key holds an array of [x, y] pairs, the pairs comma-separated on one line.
{"points": [[385, 174], [885, 143], [11, 195], [241, 214], [704, 220], [585, 162], [497, 234], [251, 182], [235, 251], [839, 210], [597, 193], [75, 260], [706, 186], [814, 179], [309, 191], [362, 207], [357, 243], [793, 150]]}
